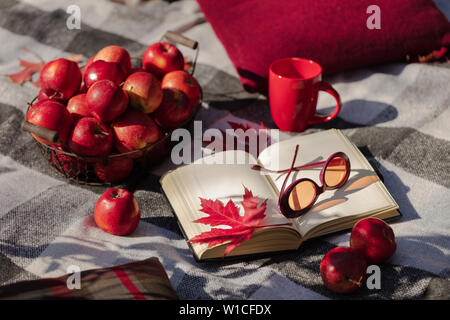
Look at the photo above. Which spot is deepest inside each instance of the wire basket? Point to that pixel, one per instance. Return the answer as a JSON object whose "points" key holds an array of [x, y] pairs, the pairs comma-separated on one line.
{"points": [[89, 170]]}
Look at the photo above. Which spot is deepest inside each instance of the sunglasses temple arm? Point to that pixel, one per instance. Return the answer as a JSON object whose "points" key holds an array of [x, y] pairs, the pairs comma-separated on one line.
{"points": [[309, 165], [289, 173]]}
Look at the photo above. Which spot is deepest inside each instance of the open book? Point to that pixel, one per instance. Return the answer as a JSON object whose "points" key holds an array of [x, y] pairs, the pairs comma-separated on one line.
{"points": [[364, 195]]}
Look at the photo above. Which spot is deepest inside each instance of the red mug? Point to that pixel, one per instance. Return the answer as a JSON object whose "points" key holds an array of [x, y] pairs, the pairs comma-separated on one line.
{"points": [[294, 85]]}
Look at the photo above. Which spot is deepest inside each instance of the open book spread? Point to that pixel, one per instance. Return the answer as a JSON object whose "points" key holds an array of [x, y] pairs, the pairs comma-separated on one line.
{"points": [[362, 196]]}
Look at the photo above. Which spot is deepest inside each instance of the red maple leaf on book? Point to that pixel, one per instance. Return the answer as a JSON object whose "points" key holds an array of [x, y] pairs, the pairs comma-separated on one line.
{"points": [[242, 226]]}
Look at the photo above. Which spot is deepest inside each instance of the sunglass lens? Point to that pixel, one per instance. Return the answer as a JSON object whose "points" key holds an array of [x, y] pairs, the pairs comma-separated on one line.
{"points": [[335, 172], [302, 195]]}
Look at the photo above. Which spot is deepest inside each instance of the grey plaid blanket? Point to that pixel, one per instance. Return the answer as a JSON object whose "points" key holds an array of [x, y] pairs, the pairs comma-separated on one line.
{"points": [[400, 112]]}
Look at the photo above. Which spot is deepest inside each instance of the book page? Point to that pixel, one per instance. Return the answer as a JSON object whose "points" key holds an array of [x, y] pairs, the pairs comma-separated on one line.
{"points": [[223, 182], [363, 193]]}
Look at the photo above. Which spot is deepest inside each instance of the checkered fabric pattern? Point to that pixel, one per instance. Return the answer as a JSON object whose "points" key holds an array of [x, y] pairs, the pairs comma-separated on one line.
{"points": [[400, 112]]}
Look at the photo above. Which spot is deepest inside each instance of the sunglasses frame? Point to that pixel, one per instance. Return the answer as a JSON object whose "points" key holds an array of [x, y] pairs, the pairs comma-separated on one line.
{"points": [[283, 200]]}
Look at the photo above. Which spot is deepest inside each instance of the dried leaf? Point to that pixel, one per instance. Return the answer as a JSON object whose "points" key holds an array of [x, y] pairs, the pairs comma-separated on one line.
{"points": [[29, 68]]}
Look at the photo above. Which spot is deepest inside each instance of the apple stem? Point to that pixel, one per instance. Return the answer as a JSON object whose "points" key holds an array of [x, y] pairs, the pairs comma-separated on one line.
{"points": [[53, 95], [99, 130], [115, 194], [358, 283]]}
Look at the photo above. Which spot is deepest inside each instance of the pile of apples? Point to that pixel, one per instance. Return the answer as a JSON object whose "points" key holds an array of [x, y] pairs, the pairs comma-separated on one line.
{"points": [[343, 269], [110, 107]]}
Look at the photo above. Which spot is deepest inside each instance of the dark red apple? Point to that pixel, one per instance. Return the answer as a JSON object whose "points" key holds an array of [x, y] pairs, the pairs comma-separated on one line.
{"points": [[374, 239], [71, 165], [102, 70], [62, 76], [77, 107], [51, 115], [114, 169], [144, 91], [115, 54], [343, 270], [50, 94], [173, 110], [117, 212], [106, 100], [134, 130], [91, 137], [183, 81], [161, 58]]}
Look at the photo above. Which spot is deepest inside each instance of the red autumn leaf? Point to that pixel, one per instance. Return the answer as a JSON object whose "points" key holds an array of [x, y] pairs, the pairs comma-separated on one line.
{"points": [[242, 226], [436, 55], [188, 64], [29, 68], [217, 236]]}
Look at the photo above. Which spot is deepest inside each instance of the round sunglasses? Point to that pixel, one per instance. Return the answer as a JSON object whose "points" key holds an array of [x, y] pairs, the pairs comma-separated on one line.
{"points": [[296, 199]]}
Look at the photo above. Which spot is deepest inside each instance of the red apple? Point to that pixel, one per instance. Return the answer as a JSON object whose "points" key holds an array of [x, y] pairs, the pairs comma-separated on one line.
{"points": [[173, 110], [51, 115], [114, 169], [343, 270], [106, 100], [62, 76], [71, 165], [144, 91], [91, 137], [115, 54], [102, 70], [88, 63], [49, 94], [78, 107], [117, 212], [374, 239], [134, 130], [183, 81], [161, 58]]}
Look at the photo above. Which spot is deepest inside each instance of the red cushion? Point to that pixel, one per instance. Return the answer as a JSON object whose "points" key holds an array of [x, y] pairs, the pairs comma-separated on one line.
{"points": [[140, 280], [331, 32]]}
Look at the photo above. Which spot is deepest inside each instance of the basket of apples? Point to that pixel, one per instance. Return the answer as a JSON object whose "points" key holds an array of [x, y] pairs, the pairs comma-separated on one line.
{"points": [[95, 125]]}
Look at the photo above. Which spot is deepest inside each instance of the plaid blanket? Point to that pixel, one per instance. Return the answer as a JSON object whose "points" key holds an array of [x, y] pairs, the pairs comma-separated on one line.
{"points": [[400, 112]]}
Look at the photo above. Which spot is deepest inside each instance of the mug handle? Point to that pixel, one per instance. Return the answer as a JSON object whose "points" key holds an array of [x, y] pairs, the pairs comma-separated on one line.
{"points": [[317, 118]]}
